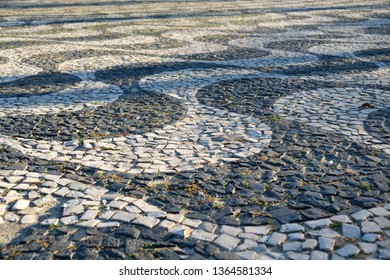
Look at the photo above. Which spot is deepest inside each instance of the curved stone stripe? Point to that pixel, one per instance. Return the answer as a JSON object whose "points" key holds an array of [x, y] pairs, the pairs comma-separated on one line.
{"points": [[10, 71], [206, 135], [79, 96], [338, 110]]}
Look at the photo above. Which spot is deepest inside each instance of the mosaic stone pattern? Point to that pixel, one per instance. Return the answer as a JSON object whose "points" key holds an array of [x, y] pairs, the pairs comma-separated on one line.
{"points": [[194, 130]]}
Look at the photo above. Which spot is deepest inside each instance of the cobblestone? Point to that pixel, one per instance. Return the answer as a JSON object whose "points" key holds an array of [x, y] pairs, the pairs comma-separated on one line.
{"points": [[225, 136]]}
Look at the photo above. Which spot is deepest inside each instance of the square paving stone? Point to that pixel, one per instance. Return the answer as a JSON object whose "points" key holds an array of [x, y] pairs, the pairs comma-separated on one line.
{"points": [[317, 224], [181, 230], [309, 244], [69, 220], [89, 215], [88, 224], [319, 255], [288, 228], [192, 223], [209, 227], [348, 250], [133, 209], [21, 204], [292, 246], [166, 224], [146, 221], [297, 256], [371, 227], [246, 245], [108, 224], [351, 231], [49, 222], [248, 255], [203, 235], [382, 222], [326, 243], [178, 218], [117, 204], [73, 210], [261, 230], [276, 239], [227, 242], [124, 216], [368, 248], [107, 214], [379, 211], [233, 231], [361, 215], [29, 219]]}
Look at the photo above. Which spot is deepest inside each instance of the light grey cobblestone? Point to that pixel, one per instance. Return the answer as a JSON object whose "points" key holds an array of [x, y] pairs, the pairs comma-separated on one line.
{"points": [[207, 136]]}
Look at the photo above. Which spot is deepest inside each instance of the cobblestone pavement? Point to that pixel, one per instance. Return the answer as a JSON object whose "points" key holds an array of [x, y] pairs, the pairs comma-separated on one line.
{"points": [[194, 130]]}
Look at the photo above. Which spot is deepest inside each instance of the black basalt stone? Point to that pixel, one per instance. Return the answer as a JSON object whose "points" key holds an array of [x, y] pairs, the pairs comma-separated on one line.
{"points": [[86, 254], [286, 215]]}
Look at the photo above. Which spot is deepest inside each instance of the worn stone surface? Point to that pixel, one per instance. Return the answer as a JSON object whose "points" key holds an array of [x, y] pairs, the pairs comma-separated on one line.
{"points": [[326, 244], [319, 255], [226, 241], [368, 248], [276, 239], [351, 231], [348, 250], [230, 135]]}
